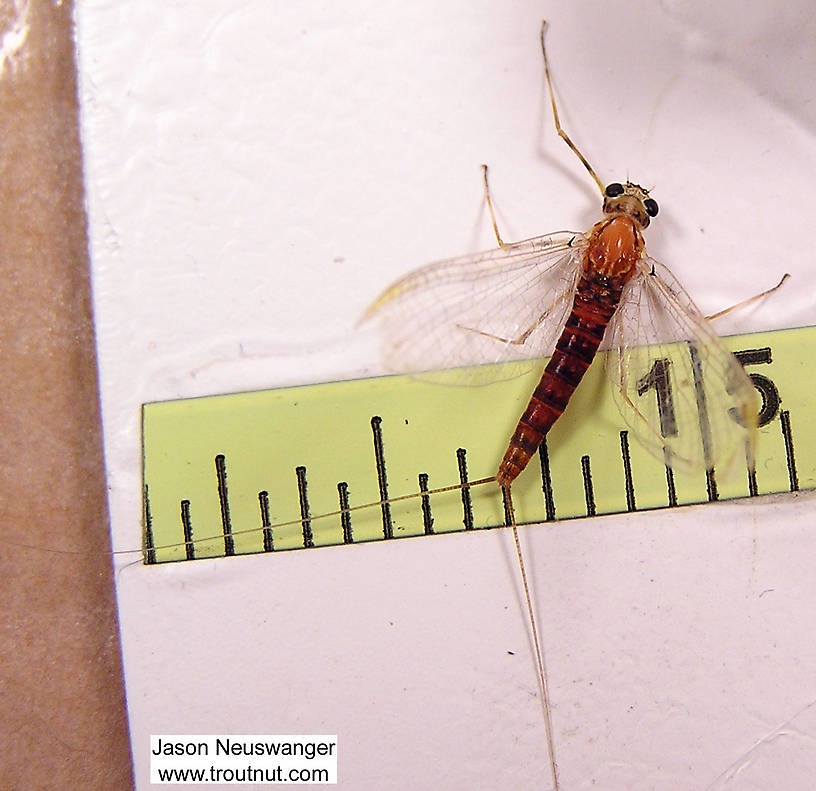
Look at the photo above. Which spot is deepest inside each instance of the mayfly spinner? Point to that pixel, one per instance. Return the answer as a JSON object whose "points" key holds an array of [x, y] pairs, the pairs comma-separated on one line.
{"points": [[682, 393]]}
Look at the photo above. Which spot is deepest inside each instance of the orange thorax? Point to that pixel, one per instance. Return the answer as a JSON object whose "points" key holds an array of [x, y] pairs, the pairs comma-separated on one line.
{"points": [[615, 244]]}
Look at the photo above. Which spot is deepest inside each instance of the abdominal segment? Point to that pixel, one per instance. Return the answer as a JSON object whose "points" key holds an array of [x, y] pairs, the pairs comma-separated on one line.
{"points": [[596, 299]]}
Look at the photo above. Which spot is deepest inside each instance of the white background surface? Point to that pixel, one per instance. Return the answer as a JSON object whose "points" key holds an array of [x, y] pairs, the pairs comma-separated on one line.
{"points": [[256, 173]]}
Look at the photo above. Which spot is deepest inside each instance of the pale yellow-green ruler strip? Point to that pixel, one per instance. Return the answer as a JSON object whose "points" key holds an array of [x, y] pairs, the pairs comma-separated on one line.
{"points": [[261, 438]]}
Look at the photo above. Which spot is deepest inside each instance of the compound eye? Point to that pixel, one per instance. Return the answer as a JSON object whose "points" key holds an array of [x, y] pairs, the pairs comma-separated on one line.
{"points": [[651, 207], [613, 190]]}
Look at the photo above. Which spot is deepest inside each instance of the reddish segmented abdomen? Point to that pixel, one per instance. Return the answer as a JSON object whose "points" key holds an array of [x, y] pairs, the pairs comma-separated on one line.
{"points": [[595, 301]]}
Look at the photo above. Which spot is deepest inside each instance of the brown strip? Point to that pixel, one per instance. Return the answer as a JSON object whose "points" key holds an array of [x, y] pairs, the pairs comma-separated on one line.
{"points": [[63, 722]]}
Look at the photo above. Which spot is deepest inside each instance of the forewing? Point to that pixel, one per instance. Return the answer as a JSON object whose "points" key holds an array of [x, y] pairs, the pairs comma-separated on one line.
{"points": [[505, 304], [680, 390]]}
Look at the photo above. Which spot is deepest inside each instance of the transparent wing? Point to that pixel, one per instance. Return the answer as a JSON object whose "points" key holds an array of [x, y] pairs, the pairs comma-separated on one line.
{"points": [[680, 390], [505, 304]]}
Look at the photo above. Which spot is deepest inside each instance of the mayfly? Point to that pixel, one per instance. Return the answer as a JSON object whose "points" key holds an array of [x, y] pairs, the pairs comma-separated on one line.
{"points": [[682, 393], [561, 296]]}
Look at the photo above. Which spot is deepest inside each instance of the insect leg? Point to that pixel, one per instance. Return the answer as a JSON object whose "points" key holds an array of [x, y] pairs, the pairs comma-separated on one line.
{"points": [[521, 339], [489, 202], [749, 300], [561, 133]]}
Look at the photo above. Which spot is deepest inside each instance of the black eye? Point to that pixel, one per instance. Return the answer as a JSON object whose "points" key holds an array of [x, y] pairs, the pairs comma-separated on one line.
{"points": [[613, 190], [651, 207]]}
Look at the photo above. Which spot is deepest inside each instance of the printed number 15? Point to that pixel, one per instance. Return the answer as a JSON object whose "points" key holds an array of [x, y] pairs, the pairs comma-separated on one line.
{"points": [[658, 379]]}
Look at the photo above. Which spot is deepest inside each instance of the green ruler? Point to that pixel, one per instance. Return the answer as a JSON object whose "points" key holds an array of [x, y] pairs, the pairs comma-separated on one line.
{"points": [[256, 472]]}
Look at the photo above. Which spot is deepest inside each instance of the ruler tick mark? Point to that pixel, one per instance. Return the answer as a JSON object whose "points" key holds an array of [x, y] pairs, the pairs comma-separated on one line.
{"points": [[670, 488], [589, 494], [627, 472], [226, 522], [467, 503], [187, 527], [508, 516], [753, 490], [305, 516], [268, 540], [345, 516], [149, 546], [711, 486], [702, 410], [382, 479], [793, 476], [546, 480], [427, 518]]}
